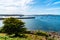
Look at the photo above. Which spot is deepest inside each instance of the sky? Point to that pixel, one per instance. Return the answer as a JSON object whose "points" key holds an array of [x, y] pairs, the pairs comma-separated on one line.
{"points": [[30, 7]]}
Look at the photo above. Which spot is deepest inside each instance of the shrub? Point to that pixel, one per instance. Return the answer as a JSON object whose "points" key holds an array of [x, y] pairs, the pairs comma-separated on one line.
{"points": [[13, 26], [42, 34]]}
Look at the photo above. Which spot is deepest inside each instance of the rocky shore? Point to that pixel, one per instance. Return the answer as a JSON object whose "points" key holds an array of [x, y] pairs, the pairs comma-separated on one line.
{"points": [[54, 35]]}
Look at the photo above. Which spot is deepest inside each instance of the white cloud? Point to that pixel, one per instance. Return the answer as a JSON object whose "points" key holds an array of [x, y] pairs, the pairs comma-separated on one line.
{"points": [[52, 9], [55, 11], [15, 6], [56, 3], [49, 2]]}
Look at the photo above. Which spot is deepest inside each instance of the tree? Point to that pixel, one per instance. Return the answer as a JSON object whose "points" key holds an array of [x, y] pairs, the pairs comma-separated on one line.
{"points": [[13, 26]]}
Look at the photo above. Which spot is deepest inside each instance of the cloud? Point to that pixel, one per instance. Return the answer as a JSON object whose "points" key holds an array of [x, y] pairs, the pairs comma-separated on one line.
{"points": [[53, 11], [53, 2], [15, 6], [57, 2], [49, 2]]}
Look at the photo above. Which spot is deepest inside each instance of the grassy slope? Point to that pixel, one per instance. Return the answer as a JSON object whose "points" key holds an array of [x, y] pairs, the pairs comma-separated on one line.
{"points": [[29, 37]]}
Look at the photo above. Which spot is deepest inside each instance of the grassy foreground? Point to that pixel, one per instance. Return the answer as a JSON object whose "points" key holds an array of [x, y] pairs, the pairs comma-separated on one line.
{"points": [[29, 37]]}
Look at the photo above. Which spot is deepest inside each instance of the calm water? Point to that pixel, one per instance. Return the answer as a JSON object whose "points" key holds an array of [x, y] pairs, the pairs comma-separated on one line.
{"points": [[46, 23]]}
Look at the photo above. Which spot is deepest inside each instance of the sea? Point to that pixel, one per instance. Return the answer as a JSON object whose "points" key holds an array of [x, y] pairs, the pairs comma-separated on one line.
{"points": [[42, 22]]}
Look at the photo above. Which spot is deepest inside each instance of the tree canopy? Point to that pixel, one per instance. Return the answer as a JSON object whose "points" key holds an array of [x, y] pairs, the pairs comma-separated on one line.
{"points": [[13, 26]]}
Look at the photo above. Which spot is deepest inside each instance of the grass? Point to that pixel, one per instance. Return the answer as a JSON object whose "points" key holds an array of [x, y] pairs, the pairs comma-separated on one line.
{"points": [[3, 36]]}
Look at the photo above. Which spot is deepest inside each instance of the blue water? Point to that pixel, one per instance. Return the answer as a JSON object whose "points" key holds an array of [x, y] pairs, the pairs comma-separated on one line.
{"points": [[46, 23]]}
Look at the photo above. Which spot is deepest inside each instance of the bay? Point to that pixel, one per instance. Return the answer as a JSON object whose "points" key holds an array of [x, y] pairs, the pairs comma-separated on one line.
{"points": [[42, 22]]}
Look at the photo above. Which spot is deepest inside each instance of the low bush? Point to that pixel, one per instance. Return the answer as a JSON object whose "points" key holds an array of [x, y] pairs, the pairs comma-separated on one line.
{"points": [[42, 34]]}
